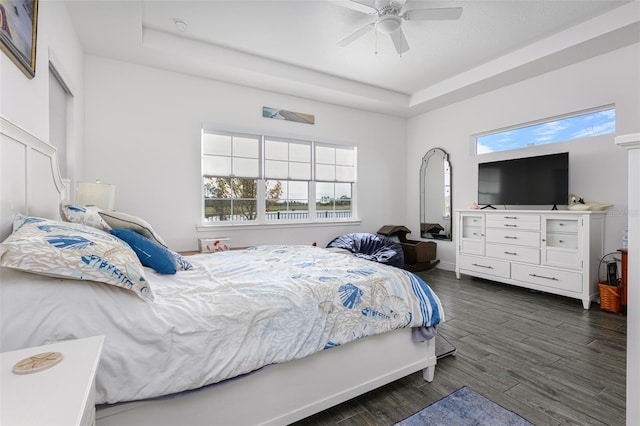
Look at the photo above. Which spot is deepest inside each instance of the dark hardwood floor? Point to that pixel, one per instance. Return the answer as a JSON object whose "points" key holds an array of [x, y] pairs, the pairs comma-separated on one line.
{"points": [[539, 355]]}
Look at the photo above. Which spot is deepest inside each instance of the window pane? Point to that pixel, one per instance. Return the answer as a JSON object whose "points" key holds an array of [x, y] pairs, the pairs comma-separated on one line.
{"points": [[325, 155], [217, 210], [216, 144], [216, 166], [343, 190], [245, 147], [300, 171], [274, 150], [325, 172], [345, 174], [274, 190], [287, 200], [244, 210], [243, 188], [246, 167], [552, 131], [344, 157], [298, 190], [333, 200], [299, 152], [324, 189], [276, 169]]}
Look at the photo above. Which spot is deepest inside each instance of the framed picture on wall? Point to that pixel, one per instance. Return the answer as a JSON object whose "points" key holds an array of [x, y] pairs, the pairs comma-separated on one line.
{"points": [[18, 23]]}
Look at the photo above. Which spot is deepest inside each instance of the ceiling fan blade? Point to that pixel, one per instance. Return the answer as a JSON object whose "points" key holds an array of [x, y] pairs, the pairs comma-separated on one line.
{"points": [[432, 14], [364, 6], [357, 34], [399, 41]]}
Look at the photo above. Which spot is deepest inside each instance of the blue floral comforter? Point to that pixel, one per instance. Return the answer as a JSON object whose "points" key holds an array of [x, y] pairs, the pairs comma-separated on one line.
{"points": [[233, 313], [272, 304]]}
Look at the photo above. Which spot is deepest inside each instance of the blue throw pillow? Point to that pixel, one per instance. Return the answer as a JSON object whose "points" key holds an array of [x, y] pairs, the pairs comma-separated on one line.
{"points": [[149, 252]]}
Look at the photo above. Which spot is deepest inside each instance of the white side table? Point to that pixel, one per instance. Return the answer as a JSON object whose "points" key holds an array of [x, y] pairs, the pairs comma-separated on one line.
{"points": [[63, 394]]}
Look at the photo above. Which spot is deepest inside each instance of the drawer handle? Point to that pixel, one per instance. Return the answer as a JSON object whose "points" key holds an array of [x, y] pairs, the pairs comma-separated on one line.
{"points": [[510, 253], [511, 217], [482, 266], [510, 237], [508, 224], [542, 276], [561, 241]]}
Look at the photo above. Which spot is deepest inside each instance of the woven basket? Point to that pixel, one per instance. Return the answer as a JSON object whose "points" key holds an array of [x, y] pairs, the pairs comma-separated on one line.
{"points": [[609, 298]]}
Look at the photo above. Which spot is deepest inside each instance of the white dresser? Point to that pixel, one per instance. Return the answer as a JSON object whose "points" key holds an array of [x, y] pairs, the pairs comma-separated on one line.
{"points": [[63, 394], [553, 251]]}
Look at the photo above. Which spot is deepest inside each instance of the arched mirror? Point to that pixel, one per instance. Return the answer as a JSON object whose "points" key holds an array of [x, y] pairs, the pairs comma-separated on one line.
{"points": [[435, 196]]}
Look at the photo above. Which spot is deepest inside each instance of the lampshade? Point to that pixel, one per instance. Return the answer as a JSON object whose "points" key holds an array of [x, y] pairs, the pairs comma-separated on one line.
{"points": [[101, 195]]}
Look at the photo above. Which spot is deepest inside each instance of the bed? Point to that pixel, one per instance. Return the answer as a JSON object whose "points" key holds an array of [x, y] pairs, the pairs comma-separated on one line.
{"points": [[160, 363]]}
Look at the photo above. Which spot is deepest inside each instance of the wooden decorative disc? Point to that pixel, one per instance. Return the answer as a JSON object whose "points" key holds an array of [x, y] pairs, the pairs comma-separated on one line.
{"points": [[37, 363]]}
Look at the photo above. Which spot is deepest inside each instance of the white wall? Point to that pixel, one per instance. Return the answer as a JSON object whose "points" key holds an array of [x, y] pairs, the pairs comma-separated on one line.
{"points": [[142, 133], [25, 102], [597, 168]]}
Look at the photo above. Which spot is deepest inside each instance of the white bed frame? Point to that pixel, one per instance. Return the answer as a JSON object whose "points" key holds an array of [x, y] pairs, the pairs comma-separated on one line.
{"points": [[275, 395]]}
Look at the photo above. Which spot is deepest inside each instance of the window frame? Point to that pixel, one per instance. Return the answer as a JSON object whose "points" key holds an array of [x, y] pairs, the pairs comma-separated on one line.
{"points": [[549, 120], [261, 220]]}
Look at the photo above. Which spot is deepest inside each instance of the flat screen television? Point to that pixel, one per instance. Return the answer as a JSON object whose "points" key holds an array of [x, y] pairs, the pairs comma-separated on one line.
{"points": [[540, 180]]}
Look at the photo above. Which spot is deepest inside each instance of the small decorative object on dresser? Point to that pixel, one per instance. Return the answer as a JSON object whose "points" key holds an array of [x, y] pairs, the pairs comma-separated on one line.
{"points": [[576, 202], [552, 251]]}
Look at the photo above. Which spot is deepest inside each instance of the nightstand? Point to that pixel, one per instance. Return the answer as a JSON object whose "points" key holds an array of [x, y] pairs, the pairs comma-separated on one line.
{"points": [[63, 394]]}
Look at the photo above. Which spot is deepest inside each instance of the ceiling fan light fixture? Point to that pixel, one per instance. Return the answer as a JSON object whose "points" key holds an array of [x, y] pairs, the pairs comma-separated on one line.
{"points": [[388, 23]]}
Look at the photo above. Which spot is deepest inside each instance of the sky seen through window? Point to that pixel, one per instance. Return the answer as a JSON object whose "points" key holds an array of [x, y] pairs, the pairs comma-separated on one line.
{"points": [[594, 123]]}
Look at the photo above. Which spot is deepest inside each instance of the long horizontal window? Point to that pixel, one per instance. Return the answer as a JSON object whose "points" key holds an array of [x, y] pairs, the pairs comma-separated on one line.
{"points": [[265, 179], [599, 121]]}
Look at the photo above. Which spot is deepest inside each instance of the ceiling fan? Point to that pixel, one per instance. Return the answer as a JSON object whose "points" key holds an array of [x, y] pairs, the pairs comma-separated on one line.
{"points": [[388, 16]]}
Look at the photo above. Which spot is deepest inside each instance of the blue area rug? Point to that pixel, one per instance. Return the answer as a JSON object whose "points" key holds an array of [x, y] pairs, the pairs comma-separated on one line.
{"points": [[461, 408]]}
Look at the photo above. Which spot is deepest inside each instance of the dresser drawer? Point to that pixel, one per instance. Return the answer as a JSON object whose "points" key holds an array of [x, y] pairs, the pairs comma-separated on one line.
{"points": [[562, 280], [472, 247], [514, 221], [513, 253], [513, 237], [563, 258], [484, 265]]}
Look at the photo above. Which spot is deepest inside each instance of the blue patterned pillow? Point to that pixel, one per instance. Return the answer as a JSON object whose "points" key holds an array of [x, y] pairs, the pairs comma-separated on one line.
{"points": [[149, 252], [88, 215], [73, 250]]}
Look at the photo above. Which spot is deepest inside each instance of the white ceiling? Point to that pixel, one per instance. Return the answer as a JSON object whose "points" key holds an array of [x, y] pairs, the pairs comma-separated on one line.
{"points": [[290, 46]]}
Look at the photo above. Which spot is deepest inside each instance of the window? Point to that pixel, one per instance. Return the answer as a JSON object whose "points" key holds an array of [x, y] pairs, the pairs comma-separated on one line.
{"points": [[600, 121], [59, 98], [287, 172], [230, 171], [335, 173], [267, 179]]}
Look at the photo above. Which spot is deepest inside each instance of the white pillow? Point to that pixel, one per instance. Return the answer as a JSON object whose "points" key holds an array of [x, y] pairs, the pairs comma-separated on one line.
{"points": [[128, 221], [71, 250]]}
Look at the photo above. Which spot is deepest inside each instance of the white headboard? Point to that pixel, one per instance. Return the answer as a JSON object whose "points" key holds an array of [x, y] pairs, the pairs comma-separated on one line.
{"points": [[30, 181]]}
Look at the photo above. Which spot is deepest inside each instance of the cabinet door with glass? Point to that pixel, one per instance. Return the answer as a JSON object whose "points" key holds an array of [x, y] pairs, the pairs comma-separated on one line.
{"points": [[471, 233], [561, 241]]}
